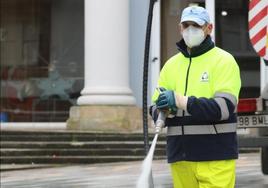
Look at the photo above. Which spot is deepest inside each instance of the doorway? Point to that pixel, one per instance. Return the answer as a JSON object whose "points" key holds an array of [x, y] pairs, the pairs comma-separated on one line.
{"points": [[170, 19]]}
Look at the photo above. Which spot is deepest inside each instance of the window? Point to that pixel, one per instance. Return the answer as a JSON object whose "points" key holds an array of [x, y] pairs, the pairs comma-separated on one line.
{"points": [[42, 59]]}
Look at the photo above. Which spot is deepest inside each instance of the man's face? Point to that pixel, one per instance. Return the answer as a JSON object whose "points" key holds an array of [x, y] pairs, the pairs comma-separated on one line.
{"points": [[207, 28]]}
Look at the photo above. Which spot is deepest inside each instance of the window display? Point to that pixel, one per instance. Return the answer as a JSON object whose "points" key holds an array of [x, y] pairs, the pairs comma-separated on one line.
{"points": [[42, 59]]}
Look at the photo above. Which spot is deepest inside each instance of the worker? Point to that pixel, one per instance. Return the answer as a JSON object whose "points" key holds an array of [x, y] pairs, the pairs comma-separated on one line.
{"points": [[199, 88]]}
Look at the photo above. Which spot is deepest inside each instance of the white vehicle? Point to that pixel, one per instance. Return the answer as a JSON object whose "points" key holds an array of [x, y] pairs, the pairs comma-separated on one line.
{"points": [[253, 114]]}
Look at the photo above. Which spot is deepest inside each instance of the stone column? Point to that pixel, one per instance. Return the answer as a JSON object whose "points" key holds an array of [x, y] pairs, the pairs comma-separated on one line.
{"points": [[106, 102]]}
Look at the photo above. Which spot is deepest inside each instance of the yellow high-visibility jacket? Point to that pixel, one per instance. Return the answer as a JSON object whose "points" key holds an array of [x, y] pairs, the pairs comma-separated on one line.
{"points": [[210, 77]]}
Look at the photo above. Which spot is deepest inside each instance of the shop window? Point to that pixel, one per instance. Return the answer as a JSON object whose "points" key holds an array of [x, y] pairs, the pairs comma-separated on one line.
{"points": [[42, 59]]}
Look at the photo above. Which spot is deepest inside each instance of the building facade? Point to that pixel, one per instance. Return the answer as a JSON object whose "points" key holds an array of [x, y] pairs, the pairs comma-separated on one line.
{"points": [[43, 47], [64, 53]]}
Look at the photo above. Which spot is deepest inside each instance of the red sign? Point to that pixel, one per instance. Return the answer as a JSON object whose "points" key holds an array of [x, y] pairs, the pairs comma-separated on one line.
{"points": [[258, 26]]}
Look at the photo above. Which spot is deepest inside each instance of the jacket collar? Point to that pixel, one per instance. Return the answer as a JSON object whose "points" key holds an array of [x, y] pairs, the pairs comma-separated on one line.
{"points": [[204, 47]]}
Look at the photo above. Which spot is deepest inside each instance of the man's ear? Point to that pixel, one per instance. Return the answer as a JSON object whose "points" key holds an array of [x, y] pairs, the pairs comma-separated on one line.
{"points": [[210, 26], [209, 29]]}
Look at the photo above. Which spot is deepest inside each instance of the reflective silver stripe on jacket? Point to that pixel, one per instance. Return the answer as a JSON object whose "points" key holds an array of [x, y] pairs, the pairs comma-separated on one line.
{"points": [[221, 102], [229, 96], [202, 129], [223, 106]]}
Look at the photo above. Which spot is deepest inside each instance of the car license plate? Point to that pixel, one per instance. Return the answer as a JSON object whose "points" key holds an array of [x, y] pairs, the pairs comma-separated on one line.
{"points": [[252, 121]]}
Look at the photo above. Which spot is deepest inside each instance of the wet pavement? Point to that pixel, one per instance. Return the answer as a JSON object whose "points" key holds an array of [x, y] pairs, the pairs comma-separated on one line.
{"points": [[120, 175]]}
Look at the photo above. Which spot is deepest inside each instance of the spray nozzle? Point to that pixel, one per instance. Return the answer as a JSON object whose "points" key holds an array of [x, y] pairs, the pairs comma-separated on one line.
{"points": [[160, 122]]}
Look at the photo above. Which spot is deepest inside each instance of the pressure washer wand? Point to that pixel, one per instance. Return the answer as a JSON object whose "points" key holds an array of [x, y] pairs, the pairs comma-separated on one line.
{"points": [[146, 178], [160, 122]]}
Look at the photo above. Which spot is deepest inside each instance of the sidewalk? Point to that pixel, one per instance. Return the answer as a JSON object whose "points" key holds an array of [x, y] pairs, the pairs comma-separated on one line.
{"points": [[11, 167], [124, 175], [98, 176]]}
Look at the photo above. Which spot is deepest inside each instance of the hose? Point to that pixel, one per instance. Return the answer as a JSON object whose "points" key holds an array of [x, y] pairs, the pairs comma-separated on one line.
{"points": [[145, 75]]}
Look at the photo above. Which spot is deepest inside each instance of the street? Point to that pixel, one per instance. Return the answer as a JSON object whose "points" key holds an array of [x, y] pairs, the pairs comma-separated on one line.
{"points": [[120, 175]]}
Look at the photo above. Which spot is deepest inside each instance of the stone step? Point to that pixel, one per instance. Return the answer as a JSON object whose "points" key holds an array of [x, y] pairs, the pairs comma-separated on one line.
{"points": [[72, 136], [77, 152], [61, 147], [80, 145], [67, 133], [52, 138], [69, 159]]}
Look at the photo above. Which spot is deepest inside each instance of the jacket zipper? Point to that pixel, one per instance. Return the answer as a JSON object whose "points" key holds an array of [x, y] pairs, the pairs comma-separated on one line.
{"points": [[186, 87], [187, 76]]}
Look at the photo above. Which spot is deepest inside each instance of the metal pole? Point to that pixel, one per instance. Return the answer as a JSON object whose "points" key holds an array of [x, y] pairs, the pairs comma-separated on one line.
{"points": [[145, 83], [145, 75]]}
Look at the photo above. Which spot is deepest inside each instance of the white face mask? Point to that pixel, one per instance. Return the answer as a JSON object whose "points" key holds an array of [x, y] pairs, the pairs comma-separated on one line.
{"points": [[193, 36]]}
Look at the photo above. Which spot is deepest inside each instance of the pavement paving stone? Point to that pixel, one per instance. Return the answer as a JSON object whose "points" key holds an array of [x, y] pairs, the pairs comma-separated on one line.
{"points": [[120, 175], [9, 167]]}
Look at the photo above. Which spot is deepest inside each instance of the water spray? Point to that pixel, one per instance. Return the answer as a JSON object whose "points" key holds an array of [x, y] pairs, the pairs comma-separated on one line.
{"points": [[144, 179]]}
